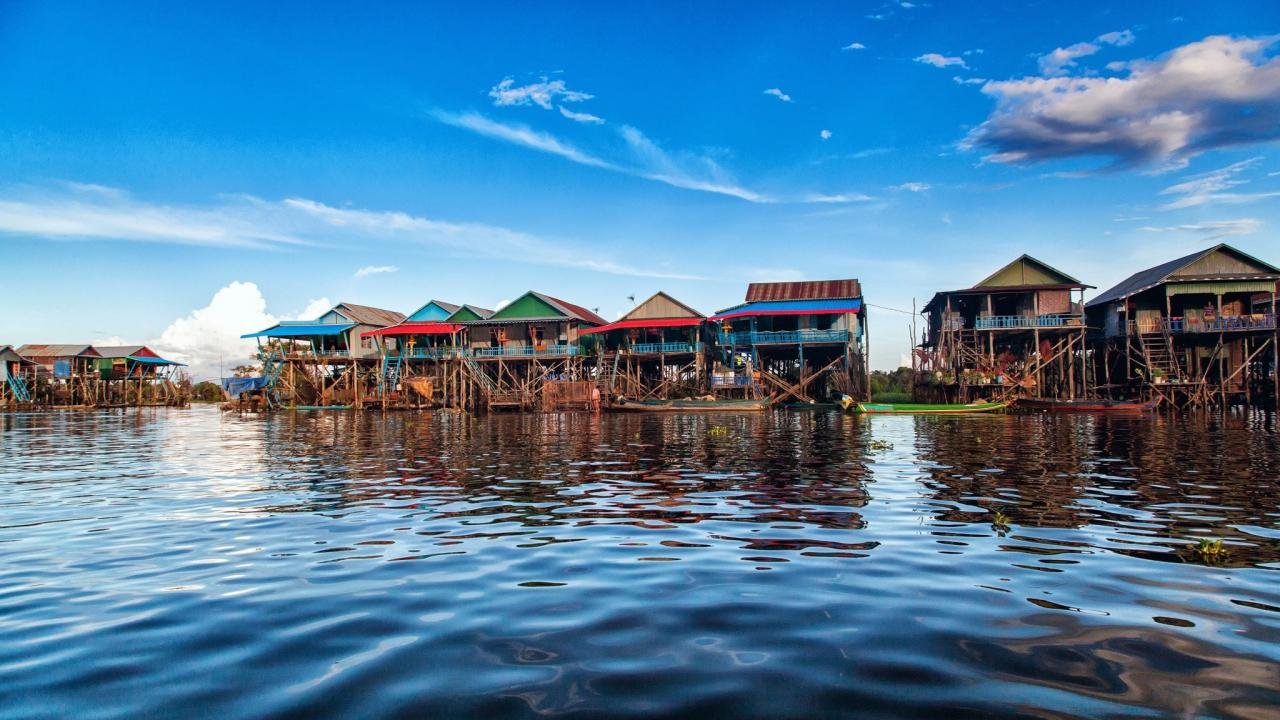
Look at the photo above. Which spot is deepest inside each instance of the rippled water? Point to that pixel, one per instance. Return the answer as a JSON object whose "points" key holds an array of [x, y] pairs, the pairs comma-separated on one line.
{"points": [[187, 563]]}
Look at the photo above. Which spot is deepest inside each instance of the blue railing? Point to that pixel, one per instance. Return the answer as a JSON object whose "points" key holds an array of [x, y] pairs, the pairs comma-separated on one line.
{"points": [[526, 351], [672, 347], [722, 381], [420, 353], [1006, 322], [784, 337]]}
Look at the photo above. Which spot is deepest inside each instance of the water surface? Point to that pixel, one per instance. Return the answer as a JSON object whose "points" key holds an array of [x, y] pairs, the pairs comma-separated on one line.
{"points": [[180, 563]]}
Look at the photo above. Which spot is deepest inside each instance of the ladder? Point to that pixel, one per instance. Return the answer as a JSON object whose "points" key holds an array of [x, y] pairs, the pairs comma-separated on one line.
{"points": [[482, 377], [272, 366], [609, 375], [1157, 354], [19, 387], [390, 373]]}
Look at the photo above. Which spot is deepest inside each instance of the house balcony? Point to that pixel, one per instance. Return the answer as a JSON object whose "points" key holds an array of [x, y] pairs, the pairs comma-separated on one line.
{"points": [[1027, 322], [1220, 324], [526, 351], [785, 337], [671, 348], [432, 353]]}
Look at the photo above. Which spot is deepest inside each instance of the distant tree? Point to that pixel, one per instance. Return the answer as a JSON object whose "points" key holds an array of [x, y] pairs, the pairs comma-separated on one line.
{"points": [[245, 371], [206, 391]]}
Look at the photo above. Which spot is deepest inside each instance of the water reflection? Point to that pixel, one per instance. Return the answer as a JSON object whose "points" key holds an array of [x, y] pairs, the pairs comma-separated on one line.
{"points": [[783, 565]]}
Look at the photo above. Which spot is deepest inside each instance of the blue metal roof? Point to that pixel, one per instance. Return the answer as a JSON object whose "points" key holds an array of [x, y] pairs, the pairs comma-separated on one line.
{"points": [[153, 361], [301, 330], [791, 307]]}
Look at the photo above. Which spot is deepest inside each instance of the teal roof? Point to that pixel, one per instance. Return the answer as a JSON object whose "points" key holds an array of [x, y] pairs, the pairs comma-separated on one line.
{"points": [[301, 330]]}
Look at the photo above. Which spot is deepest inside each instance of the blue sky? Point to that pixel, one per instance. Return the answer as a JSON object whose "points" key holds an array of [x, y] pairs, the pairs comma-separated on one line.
{"points": [[179, 176]]}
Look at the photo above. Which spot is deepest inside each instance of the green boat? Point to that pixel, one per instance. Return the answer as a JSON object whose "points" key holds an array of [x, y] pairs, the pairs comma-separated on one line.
{"points": [[928, 408]]}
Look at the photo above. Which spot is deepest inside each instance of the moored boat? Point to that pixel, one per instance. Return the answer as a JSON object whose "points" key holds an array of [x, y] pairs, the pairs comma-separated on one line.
{"points": [[689, 405], [1119, 407], [928, 408]]}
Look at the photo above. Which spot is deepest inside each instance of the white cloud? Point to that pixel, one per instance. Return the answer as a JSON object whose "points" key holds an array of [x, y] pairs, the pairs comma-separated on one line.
{"points": [[778, 94], [837, 198], [1218, 92], [914, 187], [1214, 229], [854, 46], [907, 5], [210, 336], [1119, 38], [941, 61], [368, 270], [825, 134], [501, 304], [543, 94], [1214, 187], [1062, 58], [519, 135], [242, 220], [581, 117], [1058, 61], [969, 81]]}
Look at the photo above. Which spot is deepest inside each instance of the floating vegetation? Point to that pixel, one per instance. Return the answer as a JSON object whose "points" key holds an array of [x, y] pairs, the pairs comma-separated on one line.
{"points": [[1000, 523], [1209, 552], [880, 445]]}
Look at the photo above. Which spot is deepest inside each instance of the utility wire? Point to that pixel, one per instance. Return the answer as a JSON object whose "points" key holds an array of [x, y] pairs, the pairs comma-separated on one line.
{"points": [[882, 307]]}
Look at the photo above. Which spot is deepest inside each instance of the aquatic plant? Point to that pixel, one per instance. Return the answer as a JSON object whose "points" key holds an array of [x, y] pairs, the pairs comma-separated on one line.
{"points": [[880, 445], [1000, 522], [1209, 552]]}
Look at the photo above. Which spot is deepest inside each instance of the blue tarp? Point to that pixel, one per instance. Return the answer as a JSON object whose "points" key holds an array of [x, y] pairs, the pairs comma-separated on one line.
{"points": [[791, 307], [301, 330], [62, 368], [236, 385]]}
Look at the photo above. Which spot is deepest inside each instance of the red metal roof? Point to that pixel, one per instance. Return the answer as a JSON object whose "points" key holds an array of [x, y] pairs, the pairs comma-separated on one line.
{"points": [[653, 323], [415, 328], [804, 290]]}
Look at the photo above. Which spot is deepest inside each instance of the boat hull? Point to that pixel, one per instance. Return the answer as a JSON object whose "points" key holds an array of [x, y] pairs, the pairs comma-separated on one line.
{"points": [[927, 409], [1116, 407], [689, 406]]}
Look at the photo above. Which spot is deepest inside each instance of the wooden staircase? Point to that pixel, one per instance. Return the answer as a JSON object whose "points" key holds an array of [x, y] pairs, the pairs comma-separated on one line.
{"points": [[1158, 355]]}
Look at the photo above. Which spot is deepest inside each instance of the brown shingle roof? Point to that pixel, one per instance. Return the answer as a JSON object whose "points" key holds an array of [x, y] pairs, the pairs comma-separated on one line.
{"points": [[366, 315], [57, 351], [805, 290]]}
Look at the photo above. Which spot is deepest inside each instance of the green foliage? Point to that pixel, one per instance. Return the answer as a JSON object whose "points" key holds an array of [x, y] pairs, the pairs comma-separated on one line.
{"points": [[891, 397], [206, 392], [898, 381], [1209, 552]]}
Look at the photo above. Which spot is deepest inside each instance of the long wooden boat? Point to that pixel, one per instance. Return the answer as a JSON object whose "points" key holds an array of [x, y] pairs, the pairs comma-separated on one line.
{"points": [[682, 406], [1119, 407], [928, 408]]}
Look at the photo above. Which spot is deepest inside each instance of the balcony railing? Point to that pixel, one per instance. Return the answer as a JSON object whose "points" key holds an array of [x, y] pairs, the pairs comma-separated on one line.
{"points": [[1222, 323], [526, 351], [671, 348], [784, 337], [1013, 322], [421, 353]]}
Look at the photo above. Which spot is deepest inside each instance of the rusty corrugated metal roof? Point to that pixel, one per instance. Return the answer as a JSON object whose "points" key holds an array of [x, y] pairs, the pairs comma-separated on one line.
{"points": [[42, 350], [805, 290]]}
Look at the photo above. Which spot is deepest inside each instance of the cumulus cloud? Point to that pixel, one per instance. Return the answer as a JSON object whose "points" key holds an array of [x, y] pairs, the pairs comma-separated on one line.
{"points": [[543, 93], [1215, 229], [368, 270], [778, 94], [1218, 92], [581, 117], [941, 61], [825, 134], [854, 46], [1214, 187]]}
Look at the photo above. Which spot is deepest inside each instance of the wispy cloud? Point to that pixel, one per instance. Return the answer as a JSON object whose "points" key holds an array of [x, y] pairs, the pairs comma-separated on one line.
{"points": [[368, 270], [854, 46], [825, 134], [941, 61], [854, 197], [543, 93], [1061, 59], [778, 94], [969, 81], [245, 221], [1214, 187], [581, 117], [914, 187], [638, 156], [1214, 229], [519, 135], [1218, 92]]}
